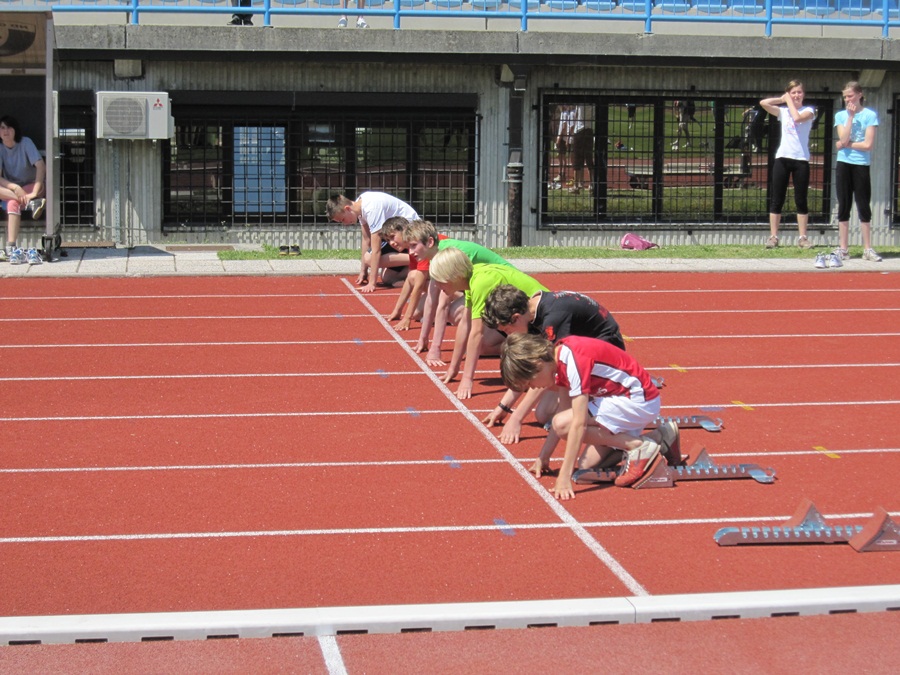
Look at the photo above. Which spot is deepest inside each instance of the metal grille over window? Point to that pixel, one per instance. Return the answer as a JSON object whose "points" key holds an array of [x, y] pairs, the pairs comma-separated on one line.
{"points": [[231, 172], [667, 161]]}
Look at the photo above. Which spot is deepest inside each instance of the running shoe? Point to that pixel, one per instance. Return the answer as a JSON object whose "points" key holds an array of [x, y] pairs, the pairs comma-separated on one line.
{"points": [[870, 255], [638, 462], [670, 438], [834, 260], [772, 242], [33, 257], [37, 207], [17, 257], [343, 22], [821, 264], [842, 253], [4, 256], [361, 23], [804, 242]]}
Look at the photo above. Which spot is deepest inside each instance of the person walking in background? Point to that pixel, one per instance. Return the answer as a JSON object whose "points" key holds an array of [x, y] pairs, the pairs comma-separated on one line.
{"points": [[791, 159], [241, 19], [855, 128]]}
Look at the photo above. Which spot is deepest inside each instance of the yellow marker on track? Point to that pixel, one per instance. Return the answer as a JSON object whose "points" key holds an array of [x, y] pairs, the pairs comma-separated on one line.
{"points": [[625, 338], [825, 452], [675, 366], [743, 405]]}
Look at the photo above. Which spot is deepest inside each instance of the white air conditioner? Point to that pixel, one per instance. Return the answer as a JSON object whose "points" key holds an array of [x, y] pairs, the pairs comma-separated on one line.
{"points": [[134, 115]]}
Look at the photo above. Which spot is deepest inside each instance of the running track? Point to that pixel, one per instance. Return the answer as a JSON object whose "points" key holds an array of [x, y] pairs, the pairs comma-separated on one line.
{"points": [[215, 444]]}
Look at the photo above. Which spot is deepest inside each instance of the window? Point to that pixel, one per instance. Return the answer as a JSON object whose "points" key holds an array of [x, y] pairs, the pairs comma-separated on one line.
{"points": [[279, 168], [668, 161], [76, 167]]}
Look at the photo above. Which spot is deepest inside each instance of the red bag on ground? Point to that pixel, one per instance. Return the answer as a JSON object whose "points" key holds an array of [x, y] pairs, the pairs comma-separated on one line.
{"points": [[636, 242]]}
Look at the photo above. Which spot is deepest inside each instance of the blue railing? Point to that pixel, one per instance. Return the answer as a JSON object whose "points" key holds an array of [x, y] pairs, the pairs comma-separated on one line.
{"points": [[883, 14]]}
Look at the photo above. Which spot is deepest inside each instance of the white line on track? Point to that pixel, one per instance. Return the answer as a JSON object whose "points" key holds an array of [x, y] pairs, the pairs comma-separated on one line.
{"points": [[250, 343], [214, 317], [204, 376], [386, 373], [407, 462], [331, 653], [571, 522], [412, 412], [418, 529]]}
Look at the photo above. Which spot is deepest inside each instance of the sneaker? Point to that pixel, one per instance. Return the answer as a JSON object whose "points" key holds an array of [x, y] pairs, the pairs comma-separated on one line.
{"points": [[637, 462], [33, 257], [361, 23], [37, 207], [772, 242], [670, 438], [4, 256], [17, 257], [870, 255], [834, 260], [804, 242], [842, 253], [343, 22], [235, 21], [821, 264]]}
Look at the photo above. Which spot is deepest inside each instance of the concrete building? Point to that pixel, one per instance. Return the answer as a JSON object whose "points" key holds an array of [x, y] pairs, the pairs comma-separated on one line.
{"points": [[458, 111]]}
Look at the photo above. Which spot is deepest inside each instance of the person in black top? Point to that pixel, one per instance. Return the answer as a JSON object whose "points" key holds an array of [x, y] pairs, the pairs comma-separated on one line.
{"points": [[555, 315]]}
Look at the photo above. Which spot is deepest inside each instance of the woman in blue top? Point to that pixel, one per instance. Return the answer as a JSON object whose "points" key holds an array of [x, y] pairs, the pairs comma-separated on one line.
{"points": [[855, 126]]}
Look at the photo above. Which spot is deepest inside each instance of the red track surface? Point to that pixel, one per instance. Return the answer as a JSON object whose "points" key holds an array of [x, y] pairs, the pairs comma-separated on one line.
{"points": [[300, 428]]}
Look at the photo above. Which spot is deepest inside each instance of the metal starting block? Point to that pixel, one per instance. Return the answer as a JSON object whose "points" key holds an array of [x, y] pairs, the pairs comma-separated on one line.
{"points": [[663, 475], [807, 526], [691, 422]]}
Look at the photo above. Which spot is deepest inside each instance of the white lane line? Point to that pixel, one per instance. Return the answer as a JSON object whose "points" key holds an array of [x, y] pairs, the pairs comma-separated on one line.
{"points": [[399, 462], [251, 343], [215, 317], [385, 373], [200, 416], [195, 296], [331, 652], [571, 522], [413, 412], [205, 376], [420, 529]]}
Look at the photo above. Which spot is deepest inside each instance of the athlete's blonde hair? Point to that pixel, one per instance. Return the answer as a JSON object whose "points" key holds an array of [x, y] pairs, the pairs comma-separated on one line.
{"points": [[450, 265]]}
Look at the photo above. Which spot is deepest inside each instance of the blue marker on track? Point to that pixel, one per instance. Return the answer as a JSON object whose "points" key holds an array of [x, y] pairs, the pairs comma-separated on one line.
{"points": [[452, 462], [357, 341], [412, 411], [381, 372], [504, 527]]}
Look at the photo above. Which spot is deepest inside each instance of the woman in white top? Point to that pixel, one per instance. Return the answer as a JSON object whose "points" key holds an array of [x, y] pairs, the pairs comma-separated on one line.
{"points": [[791, 159]]}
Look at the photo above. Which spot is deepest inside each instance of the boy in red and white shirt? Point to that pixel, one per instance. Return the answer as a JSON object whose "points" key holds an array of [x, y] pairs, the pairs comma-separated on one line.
{"points": [[605, 400]]}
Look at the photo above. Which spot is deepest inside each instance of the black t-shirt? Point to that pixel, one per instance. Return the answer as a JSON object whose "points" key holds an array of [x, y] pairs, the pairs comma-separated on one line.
{"points": [[563, 313]]}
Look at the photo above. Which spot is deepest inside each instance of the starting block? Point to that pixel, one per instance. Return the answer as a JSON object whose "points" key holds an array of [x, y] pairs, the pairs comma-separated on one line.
{"points": [[807, 526], [663, 475], [691, 422]]}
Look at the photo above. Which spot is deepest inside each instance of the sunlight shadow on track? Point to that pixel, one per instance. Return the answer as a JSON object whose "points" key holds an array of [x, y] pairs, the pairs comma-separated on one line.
{"points": [[577, 528]]}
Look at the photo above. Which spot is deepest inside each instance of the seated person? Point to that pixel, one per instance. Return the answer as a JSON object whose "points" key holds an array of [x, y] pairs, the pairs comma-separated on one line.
{"points": [[22, 173]]}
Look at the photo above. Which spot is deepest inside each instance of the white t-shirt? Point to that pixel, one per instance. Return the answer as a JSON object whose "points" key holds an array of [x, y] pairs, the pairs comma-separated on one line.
{"points": [[794, 135], [377, 207]]}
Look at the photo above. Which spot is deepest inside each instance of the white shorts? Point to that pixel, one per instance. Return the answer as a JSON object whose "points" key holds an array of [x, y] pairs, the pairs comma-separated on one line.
{"points": [[622, 414]]}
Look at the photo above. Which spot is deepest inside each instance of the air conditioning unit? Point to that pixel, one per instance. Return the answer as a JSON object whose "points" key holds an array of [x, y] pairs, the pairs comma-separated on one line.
{"points": [[134, 115]]}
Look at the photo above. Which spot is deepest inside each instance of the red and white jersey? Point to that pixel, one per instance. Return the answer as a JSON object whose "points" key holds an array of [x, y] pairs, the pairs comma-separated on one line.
{"points": [[596, 368]]}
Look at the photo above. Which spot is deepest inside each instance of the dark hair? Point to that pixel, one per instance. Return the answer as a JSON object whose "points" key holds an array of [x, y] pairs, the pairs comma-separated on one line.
{"points": [[502, 303], [12, 123]]}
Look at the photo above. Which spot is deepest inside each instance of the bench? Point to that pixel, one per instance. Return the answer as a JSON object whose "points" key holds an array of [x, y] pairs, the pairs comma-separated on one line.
{"points": [[639, 176]]}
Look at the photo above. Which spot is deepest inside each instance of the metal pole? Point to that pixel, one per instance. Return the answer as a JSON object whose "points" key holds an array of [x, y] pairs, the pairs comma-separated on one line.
{"points": [[514, 198]]}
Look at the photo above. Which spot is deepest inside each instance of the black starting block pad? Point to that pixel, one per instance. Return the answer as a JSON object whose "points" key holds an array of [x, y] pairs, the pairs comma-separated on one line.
{"points": [[691, 422], [663, 475], [808, 526]]}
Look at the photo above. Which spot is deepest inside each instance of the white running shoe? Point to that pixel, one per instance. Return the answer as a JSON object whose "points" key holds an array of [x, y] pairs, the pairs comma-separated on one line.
{"points": [[17, 257], [33, 257], [343, 22], [834, 260], [820, 261], [361, 23], [870, 255]]}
